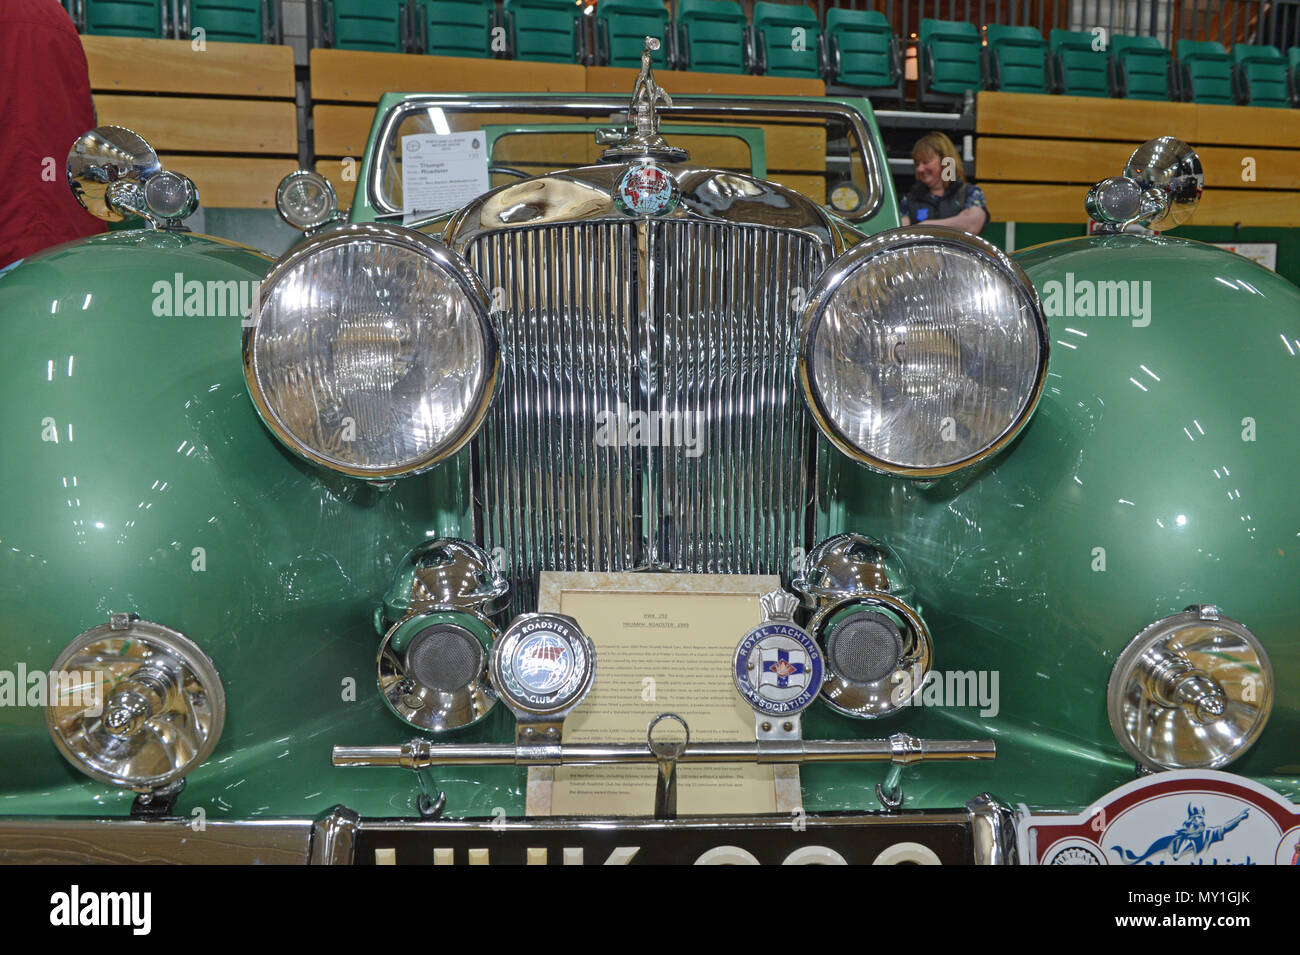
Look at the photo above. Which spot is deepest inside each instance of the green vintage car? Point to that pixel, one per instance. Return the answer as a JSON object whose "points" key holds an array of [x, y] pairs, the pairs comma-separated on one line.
{"points": [[273, 531]]}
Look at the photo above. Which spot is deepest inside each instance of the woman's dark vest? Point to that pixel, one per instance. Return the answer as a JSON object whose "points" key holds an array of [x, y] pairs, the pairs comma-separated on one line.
{"points": [[922, 206]]}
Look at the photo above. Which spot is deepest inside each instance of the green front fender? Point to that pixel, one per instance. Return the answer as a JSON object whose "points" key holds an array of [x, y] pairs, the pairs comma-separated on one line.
{"points": [[1158, 472], [138, 478]]}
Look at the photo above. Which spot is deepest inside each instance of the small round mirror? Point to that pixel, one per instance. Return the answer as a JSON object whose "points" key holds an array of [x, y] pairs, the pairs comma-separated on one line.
{"points": [[102, 157], [1171, 167]]}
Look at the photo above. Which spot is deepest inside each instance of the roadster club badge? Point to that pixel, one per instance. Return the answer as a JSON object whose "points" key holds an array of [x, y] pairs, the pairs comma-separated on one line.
{"points": [[542, 664], [646, 190], [778, 666]]}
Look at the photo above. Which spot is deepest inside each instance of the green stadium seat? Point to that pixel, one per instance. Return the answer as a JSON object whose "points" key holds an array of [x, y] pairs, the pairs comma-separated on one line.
{"points": [[1261, 73], [1081, 69], [949, 57], [1140, 68], [228, 21], [454, 27], [863, 51], [1293, 74], [124, 17], [621, 29], [711, 36], [378, 25], [546, 30], [787, 40], [1017, 59], [1205, 72]]}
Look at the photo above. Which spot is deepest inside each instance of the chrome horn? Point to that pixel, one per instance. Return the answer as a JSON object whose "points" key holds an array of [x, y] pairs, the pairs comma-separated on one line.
{"points": [[437, 635], [865, 617], [1161, 186]]}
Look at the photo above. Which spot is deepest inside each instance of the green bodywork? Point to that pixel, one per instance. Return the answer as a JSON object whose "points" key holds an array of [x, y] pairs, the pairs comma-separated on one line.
{"points": [[130, 441]]}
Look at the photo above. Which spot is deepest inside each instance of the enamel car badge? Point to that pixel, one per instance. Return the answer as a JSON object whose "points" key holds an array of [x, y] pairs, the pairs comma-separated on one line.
{"points": [[543, 664], [646, 190], [778, 667]]}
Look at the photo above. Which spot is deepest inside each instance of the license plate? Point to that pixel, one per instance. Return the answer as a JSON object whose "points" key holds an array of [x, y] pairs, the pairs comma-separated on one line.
{"points": [[856, 839]]}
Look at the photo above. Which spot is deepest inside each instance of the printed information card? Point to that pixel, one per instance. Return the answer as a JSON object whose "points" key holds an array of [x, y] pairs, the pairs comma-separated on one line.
{"points": [[664, 644], [441, 172]]}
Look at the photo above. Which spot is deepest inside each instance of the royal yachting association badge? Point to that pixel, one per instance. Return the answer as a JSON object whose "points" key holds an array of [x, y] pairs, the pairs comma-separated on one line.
{"points": [[778, 667], [646, 190]]}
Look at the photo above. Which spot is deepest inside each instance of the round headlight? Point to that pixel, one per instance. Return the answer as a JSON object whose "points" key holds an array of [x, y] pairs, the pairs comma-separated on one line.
{"points": [[923, 351], [372, 353], [139, 705], [306, 200], [1192, 691]]}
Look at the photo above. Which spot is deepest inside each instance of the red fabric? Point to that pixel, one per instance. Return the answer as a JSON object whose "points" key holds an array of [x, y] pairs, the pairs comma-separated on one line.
{"points": [[45, 105]]}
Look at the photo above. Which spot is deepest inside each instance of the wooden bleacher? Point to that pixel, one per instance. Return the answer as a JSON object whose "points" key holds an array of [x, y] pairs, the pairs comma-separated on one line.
{"points": [[1036, 155], [225, 116], [346, 85]]}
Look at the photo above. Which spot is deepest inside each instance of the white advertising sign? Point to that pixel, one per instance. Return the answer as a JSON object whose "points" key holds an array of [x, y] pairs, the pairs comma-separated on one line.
{"points": [[1265, 253], [1188, 817]]}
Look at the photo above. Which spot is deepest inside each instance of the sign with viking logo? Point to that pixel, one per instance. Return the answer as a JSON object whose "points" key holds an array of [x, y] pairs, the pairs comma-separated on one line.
{"points": [[1188, 817]]}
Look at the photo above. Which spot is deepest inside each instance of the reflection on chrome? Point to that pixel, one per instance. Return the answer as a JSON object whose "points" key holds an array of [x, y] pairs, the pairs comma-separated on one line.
{"points": [[923, 351], [372, 353], [1191, 691]]}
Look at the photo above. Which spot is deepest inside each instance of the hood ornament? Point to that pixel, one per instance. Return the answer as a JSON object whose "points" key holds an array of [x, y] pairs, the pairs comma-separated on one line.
{"points": [[644, 141]]}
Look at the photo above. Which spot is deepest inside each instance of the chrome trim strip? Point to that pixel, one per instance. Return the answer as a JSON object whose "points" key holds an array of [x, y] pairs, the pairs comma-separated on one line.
{"points": [[64, 841], [421, 754], [647, 824], [749, 109]]}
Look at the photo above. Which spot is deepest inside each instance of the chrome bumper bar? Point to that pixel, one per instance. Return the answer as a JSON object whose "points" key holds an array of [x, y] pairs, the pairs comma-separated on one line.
{"points": [[342, 837], [422, 754]]}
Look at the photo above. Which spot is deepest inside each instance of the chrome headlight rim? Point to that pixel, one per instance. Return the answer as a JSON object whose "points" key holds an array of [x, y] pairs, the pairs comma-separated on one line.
{"points": [[855, 258], [198, 678], [1126, 680], [452, 264]]}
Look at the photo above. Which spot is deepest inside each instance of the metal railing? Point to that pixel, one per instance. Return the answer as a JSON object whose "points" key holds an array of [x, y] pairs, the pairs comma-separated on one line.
{"points": [[1272, 22]]}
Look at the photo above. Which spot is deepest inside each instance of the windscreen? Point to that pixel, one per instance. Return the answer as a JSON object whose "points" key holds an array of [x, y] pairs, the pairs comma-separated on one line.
{"points": [[822, 152]]}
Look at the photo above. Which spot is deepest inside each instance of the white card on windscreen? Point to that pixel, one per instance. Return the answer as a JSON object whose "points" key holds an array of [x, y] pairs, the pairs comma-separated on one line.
{"points": [[442, 171]]}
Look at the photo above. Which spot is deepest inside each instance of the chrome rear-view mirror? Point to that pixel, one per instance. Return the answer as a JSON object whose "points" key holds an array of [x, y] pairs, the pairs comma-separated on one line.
{"points": [[114, 173], [107, 168]]}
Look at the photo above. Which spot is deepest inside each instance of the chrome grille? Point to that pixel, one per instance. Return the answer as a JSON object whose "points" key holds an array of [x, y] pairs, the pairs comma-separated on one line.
{"points": [[601, 322]]}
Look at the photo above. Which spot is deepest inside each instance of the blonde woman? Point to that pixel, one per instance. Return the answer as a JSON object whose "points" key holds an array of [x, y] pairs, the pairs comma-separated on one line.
{"points": [[941, 195]]}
